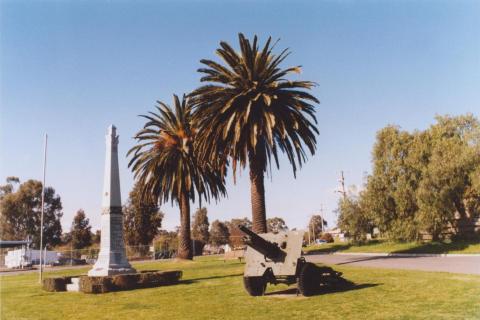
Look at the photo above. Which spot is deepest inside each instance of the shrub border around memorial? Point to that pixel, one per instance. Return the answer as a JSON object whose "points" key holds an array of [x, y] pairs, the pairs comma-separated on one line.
{"points": [[122, 282]]}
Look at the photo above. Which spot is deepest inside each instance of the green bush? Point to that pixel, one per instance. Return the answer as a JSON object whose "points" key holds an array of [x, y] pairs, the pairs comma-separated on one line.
{"points": [[54, 284], [125, 281], [95, 284], [327, 237]]}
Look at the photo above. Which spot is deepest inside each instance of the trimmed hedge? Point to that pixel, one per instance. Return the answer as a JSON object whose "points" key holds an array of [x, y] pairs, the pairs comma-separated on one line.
{"points": [[95, 284], [121, 282], [155, 279], [54, 284], [125, 281]]}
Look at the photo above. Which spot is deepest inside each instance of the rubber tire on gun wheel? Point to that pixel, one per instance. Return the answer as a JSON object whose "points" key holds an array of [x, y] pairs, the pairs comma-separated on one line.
{"points": [[255, 286], [309, 279]]}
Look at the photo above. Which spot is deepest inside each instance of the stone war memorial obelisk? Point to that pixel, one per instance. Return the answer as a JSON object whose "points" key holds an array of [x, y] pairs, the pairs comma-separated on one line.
{"points": [[112, 258]]}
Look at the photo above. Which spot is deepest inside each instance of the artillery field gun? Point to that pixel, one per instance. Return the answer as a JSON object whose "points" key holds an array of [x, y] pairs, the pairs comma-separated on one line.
{"points": [[277, 258]]}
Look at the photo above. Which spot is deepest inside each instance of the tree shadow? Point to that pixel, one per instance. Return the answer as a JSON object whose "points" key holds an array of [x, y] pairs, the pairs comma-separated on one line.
{"points": [[372, 258], [188, 281], [329, 249], [437, 247], [324, 289]]}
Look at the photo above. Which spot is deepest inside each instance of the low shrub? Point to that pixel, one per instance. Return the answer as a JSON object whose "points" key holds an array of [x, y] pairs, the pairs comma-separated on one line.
{"points": [[54, 284], [95, 284], [327, 237], [144, 279], [125, 281]]}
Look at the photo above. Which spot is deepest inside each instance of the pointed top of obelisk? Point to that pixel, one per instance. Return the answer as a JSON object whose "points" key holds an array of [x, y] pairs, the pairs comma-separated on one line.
{"points": [[111, 181], [112, 130]]}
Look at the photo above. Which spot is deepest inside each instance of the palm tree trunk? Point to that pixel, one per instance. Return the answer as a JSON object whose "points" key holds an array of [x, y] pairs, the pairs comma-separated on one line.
{"points": [[257, 193], [184, 239]]}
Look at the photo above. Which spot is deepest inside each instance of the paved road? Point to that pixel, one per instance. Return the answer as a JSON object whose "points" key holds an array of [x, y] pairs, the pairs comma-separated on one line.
{"points": [[468, 265]]}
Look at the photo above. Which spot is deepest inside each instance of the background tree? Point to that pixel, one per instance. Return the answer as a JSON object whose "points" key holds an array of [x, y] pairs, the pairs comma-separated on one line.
{"points": [[66, 238], [21, 210], [248, 111], [96, 237], [9, 187], [219, 234], [353, 220], [166, 243], [200, 226], [390, 196], [315, 226], [446, 187], [425, 182], [236, 236], [276, 224], [166, 165], [142, 219], [81, 236]]}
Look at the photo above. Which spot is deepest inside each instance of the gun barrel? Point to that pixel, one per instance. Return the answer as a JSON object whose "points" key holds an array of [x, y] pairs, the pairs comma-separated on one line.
{"points": [[267, 248]]}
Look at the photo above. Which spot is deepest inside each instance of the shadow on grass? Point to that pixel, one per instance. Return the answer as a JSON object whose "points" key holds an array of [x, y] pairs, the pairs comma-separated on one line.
{"points": [[325, 290], [438, 247], [329, 249], [213, 277], [375, 258]]}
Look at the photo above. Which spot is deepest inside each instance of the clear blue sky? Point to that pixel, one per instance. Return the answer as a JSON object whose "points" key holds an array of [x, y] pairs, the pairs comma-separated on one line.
{"points": [[72, 68]]}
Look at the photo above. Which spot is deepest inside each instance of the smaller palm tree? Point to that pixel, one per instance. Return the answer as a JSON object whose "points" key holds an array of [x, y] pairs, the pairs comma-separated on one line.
{"points": [[166, 165]]}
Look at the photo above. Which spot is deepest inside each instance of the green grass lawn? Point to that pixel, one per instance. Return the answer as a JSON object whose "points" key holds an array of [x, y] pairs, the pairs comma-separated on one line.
{"points": [[378, 246], [212, 289]]}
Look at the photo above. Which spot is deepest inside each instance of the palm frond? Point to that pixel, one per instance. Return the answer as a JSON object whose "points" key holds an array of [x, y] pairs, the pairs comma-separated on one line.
{"points": [[247, 109], [165, 161]]}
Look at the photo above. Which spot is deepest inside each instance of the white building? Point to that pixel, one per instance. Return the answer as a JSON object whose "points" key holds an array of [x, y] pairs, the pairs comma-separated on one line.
{"points": [[20, 258]]}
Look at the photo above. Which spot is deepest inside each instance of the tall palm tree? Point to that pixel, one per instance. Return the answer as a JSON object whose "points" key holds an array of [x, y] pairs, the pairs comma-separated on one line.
{"points": [[166, 165], [248, 111]]}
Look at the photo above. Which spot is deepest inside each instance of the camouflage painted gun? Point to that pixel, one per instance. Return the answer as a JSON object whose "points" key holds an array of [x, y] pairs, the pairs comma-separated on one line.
{"points": [[277, 258]]}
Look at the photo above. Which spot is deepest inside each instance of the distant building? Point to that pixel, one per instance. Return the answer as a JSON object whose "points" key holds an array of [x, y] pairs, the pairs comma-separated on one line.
{"points": [[338, 234], [20, 255], [25, 257]]}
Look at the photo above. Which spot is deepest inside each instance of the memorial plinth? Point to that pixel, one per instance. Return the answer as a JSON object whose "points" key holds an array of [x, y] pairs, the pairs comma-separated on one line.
{"points": [[112, 258]]}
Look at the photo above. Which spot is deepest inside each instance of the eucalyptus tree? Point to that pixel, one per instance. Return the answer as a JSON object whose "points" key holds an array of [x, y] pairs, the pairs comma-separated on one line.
{"points": [[167, 168], [80, 231], [248, 111], [20, 209]]}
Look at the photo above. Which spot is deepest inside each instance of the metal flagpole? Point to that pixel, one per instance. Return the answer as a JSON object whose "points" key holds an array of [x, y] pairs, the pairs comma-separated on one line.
{"points": [[321, 215], [43, 204]]}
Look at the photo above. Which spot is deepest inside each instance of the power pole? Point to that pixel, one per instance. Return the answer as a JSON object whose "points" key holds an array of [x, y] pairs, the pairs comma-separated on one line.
{"points": [[342, 186]]}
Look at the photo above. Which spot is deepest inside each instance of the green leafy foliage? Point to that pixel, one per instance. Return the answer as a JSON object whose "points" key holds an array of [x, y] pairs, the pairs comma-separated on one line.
{"points": [[80, 234], [276, 224], [219, 233], [352, 220], [236, 235], [316, 226], [21, 211], [425, 182], [200, 226], [142, 219]]}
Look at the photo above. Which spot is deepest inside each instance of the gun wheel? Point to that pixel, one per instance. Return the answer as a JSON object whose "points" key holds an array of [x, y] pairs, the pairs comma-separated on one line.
{"points": [[309, 279], [255, 286]]}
